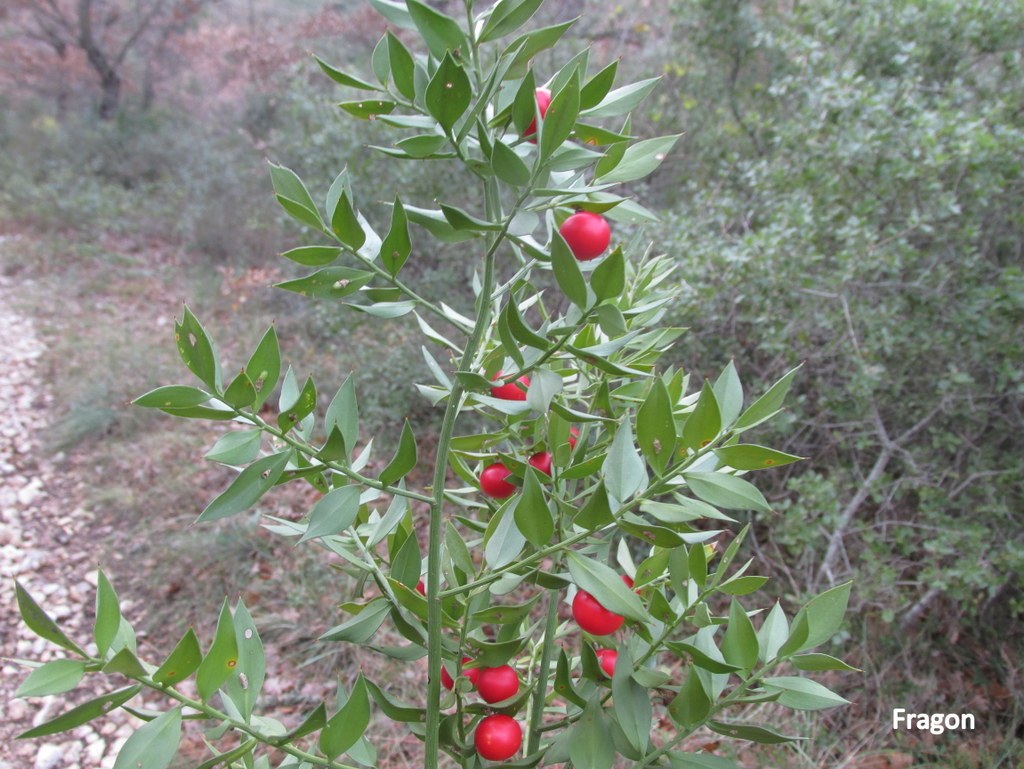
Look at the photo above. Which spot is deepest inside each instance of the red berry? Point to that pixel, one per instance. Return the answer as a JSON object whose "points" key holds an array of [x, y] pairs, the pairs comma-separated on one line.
{"points": [[471, 673], [542, 461], [510, 391], [573, 435], [592, 616], [628, 580], [493, 483], [607, 658], [543, 96], [498, 737], [587, 234], [421, 588], [497, 684]]}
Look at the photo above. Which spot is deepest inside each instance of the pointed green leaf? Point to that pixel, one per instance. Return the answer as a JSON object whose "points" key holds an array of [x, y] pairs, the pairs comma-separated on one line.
{"points": [[750, 732], [226, 758], [345, 224], [172, 397], [704, 422], [241, 393], [264, 366], [40, 623], [567, 271], [655, 426], [631, 702], [247, 489], [333, 514], [196, 350], [181, 662], [609, 278], [729, 394], [244, 689], [726, 491], [83, 713], [343, 78], [591, 746], [767, 405], [294, 197], [54, 677], [343, 413], [532, 516], [506, 17], [692, 705], [739, 644], [817, 662], [503, 541], [365, 109], [301, 407], [404, 460], [221, 660], [448, 93], [595, 89], [441, 33], [403, 69], [153, 745], [622, 100], [346, 726], [108, 615], [604, 584], [508, 166], [330, 282], [623, 470], [640, 160], [560, 118], [236, 448], [362, 626], [825, 614]]}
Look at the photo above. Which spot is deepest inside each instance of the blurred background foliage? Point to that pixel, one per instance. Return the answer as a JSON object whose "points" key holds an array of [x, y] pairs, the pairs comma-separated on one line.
{"points": [[847, 194]]}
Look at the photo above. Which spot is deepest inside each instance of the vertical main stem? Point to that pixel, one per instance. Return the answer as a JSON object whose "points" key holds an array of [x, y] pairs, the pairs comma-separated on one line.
{"points": [[434, 618], [540, 696]]}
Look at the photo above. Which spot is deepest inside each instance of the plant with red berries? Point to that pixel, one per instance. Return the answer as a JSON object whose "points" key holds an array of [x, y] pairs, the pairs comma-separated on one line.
{"points": [[584, 514]]}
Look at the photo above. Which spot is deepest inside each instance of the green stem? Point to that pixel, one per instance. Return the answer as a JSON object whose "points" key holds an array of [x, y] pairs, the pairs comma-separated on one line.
{"points": [[216, 715], [540, 695]]}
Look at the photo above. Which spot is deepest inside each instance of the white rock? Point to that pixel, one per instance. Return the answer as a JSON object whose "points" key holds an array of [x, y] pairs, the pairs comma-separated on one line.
{"points": [[94, 752], [49, 756]]}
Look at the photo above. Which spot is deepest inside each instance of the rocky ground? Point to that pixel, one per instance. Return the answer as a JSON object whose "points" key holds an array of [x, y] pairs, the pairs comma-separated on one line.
{"points": [[46, 543]]}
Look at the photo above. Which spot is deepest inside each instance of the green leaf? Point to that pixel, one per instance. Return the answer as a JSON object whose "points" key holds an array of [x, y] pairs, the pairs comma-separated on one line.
{"points": [[631, 702], [244, 689], [331, 282], [108, 615], [750, 732], [236, 448], [729, 394], [803, 694], [609, 279], [767, 405], [701, 659], [181, 662], [591, 746], [83, 713], [742, 585], [301, 407], [264, 366], [567, 271], [126, 663], [345, 727], [520, 330], [622, 100], [817, 662], [403, 69], [196, 350], [524, 105], [532, 516], [773, 633], [343, 78], [700, 761], [395, 12], [333, 514], [231, 755], [623, 470], [656, 427], [598, 86], [362, 626], [508, 166], [506, 17], [241, 393], [222, 658], [503, 540], [640, 159], [739, 644], [172, 396], [343, 413], [423, 145], [726, 491], [560, 118], [527, 46], [345, 224], [704, 422], [544, 386], [604, 584], [393, 710], [448, 93], [748, 456], [461, 220], [368, 108], [596, 512], [54, 677], [153, 745], [404, 460], [40, 623], [692, 705], [441, 33], [436, 223], [247, 489], [294, 197], [824, 615]]}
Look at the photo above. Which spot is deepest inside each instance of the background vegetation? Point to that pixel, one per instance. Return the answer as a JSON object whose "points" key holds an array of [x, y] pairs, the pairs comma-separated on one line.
{"points": [[847, 194]]}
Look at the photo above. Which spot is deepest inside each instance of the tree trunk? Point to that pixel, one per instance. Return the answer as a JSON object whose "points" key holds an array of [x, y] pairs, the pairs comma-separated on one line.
{"points": [[110, 84]]}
